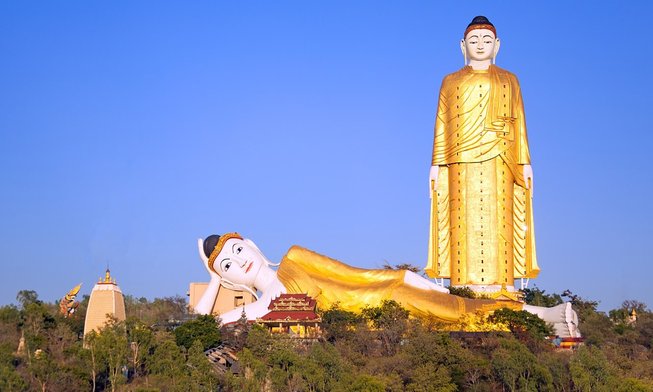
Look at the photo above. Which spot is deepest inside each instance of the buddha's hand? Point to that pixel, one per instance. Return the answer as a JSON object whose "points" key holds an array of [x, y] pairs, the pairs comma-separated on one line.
{"points": [[527, 170], [205, 260], [433, 179]]}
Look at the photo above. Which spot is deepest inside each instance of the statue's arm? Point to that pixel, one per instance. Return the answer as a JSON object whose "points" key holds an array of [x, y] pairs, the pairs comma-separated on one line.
{"points": [[258, 308], [523, 152], [433, 178], [206, 303], [439, 139]]}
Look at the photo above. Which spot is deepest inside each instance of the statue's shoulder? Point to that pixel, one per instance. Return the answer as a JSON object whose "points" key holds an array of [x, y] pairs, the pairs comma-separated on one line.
{"points": [[450, 78], [505, 73]]}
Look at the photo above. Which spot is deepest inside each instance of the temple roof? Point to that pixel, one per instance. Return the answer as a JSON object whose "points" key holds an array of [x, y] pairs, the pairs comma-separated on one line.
{"points": [[292, 307]]}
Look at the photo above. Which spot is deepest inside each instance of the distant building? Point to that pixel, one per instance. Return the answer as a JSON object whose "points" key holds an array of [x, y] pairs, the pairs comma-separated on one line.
{"points": [[226, 300], [106, 300]]}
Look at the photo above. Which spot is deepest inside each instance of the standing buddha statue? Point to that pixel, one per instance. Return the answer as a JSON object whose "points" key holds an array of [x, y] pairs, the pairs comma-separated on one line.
{"points": [[481, 230]]}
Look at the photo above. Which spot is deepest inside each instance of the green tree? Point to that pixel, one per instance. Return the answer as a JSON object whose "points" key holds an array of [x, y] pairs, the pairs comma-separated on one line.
{"points": [[205, 328], [202, 374], [169, 365], [390, 320], [43, 369], [520, 321], [111, 347], [141, 341], [538, 297], [10, 379], [27, 297], [429, 378], [462, 291], [367, 383], [517, 368], [338, 323], [591, 371]]}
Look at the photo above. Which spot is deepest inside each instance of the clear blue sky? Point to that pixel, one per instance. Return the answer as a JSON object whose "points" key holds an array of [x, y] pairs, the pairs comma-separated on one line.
{"points": [[130, 129]]}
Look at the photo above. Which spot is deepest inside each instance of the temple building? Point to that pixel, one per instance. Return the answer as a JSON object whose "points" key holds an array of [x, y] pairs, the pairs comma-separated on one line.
{"points": [[106, 301], [226, 300], [293, 314]]}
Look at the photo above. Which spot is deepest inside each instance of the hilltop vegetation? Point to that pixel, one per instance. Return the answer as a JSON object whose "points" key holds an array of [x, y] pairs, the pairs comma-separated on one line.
{"points": [[380, 349]]}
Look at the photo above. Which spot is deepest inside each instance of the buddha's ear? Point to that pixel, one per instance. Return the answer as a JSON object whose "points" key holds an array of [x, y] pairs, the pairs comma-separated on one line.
{"points": [[463, 49], [497, 45]]}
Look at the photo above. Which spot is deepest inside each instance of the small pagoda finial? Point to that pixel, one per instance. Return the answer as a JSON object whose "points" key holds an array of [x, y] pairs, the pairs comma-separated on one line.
{"points": [[107, 276]]}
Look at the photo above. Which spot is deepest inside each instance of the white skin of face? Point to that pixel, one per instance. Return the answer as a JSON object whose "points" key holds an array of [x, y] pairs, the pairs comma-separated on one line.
{"points": [[239, 261], [480, 46]]}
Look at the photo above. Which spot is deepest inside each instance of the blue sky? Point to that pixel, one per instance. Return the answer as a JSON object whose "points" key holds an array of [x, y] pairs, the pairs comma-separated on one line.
{"points": [[130, 129]]}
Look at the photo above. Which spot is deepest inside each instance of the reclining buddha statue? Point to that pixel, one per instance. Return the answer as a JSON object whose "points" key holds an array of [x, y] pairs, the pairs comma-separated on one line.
{"points": [[237, 263]]}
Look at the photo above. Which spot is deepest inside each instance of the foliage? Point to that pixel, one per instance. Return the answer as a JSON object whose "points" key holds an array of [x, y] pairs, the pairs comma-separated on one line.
{"points": [[521, 321], [390, 320], [462, 291], [403, 266], [168, 363], [379, 349], [204, 328], [111, 345], [339, 324], [538, 297]]}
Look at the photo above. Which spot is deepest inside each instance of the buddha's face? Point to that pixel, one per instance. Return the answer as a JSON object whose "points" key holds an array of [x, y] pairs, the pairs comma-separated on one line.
{"points": [[480, 45], [239, 261]]}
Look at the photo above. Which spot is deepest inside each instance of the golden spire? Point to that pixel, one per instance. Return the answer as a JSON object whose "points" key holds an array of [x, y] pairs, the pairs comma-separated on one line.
{"points": [[107, 278]]}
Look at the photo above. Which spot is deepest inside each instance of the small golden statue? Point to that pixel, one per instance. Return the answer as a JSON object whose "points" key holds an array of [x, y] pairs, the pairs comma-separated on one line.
{"points": [[481, 231]]}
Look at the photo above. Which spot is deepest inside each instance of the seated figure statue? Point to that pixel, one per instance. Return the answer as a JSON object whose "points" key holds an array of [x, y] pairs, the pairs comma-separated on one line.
{"points": [[238, 264]]}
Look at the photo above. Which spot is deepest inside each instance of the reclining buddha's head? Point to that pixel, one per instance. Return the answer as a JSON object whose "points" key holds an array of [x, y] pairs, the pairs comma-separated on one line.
{"points": [[236, 260]]}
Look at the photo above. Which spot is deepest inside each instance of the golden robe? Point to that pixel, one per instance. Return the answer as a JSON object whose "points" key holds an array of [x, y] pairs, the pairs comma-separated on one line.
{"points": [[330, 281], [481, 230]]}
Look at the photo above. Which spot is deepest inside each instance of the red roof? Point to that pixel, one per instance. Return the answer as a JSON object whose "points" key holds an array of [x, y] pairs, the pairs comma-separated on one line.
{"points": [[292, 307], [296, 299], [291, 316]]}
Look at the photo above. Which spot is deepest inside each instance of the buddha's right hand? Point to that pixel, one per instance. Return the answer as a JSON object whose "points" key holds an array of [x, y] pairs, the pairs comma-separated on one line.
{"points": [[205, 260], [433, 179]]}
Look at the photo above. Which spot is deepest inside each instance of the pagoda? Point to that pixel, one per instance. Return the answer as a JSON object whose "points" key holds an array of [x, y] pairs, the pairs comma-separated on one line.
{"points": [[106, 301], [294, 315]]}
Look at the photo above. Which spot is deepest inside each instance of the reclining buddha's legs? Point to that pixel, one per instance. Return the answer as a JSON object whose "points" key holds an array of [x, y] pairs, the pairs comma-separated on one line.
{"points": [[420, 282]]}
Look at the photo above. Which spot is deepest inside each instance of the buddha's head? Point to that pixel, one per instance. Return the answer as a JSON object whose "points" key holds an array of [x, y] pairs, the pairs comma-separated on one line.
{"points": [[236, 260], [480, 42]]}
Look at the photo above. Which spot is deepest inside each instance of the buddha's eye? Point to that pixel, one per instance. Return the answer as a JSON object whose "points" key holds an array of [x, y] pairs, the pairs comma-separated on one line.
{"points": [[240, 248], [226, 264]]}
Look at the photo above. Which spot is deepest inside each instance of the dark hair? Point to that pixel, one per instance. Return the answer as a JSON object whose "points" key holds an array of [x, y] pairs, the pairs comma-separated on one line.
{"points": [[209, 244]]}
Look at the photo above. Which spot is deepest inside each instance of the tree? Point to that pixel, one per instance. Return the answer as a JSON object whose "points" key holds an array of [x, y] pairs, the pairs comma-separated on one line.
{"points": [[27, 297], [204, 328], [169, 364], [338, 323], [520, 321], [429, 378], [43, 369], [538, 297], [403, 266], [390, 321], [202, 374], [111, 347], [462, 291], [10, 380], [591, 371], [518, 370], [141, 341]]}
